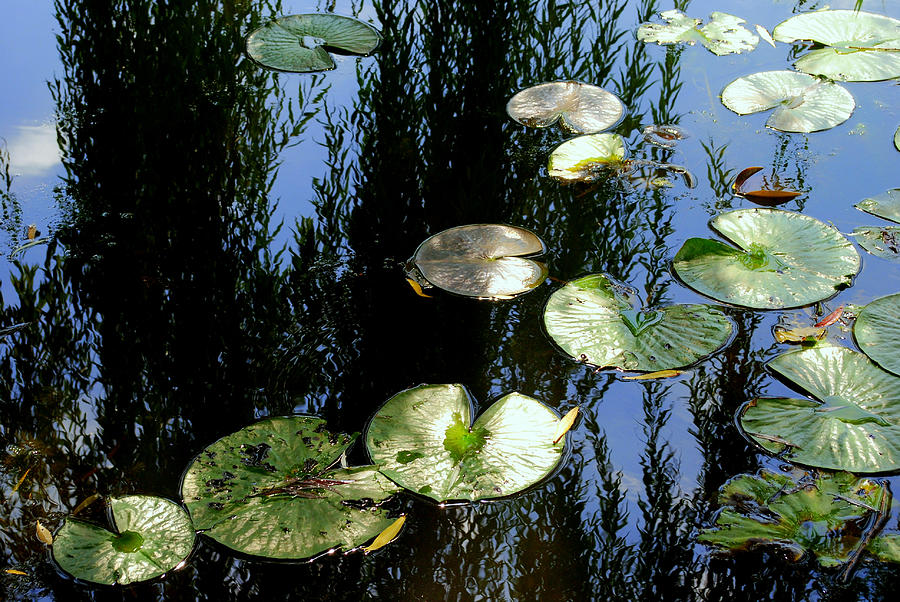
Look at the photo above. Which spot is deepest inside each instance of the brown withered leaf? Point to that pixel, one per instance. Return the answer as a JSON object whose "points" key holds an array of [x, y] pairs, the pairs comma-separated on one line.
{"points": [[770, 198], [742, 177]]}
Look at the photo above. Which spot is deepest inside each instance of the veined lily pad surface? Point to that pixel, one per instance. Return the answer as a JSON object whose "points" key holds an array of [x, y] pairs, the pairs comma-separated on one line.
{"points": [[877, 331], [724, 33], [886, 205], [809, 513], [297, 43], [269, 490], [854, 425], [591, 320], [584, 158], [151, 536], [882, 242], [482, 260], [802, 102], [579, 107], [423, 438], [859, 46], [782, 259]]}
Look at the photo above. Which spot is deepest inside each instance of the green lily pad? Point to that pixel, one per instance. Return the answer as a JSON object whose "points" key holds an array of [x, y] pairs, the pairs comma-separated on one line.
{"points": [[592, 321], [269, 490], [584, 158], [422, 439], [150, 537], [882, 242], [579, 107], [877, 331], [816, 513], [897, 139], [782, 260], [297, 43], [859, 46], [802, 102], [886, 205], [885, 547], [854, 426], [724, 33], [487, 261]]}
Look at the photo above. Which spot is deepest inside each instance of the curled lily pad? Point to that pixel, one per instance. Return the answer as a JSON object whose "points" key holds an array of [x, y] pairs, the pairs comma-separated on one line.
{"points": [[854, 425], [886, 205], [150, 537], [487, 261], [859, 46], [584, 158], [297, 43], [724, 33], [269, 490], [424, 440], [591, 320], [782, 260], [877, 331], [802, 102], [882, 242], [579, 107]]}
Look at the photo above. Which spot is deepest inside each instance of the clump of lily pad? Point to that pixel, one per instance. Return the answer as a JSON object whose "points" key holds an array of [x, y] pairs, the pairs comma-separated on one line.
{"points": [[723, 34], [578, 107], [877, 331], [881, 241]]}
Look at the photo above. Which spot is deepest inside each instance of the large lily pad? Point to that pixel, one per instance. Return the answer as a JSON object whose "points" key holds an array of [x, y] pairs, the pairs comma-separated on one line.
{"points": [[854, 425], [424, 440], [877, 331], [886, 205], [298, 43], [724, 33], [151, 536], [579, 107], [487, 261], [268, 490], [802, 102], [882, 242], [859, 46], [782, 259], [585, 158], [591, 320]]}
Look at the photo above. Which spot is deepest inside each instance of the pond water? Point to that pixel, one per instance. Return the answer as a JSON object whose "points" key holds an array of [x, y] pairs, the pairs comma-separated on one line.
{"points": [[228, 244]]}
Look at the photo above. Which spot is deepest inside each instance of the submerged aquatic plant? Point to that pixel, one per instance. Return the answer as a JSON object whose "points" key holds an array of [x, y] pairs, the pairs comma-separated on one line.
{"points": [[578, 107], [723, 34]]}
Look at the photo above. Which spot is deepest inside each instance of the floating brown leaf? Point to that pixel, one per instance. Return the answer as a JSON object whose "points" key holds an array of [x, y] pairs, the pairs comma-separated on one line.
{"points": [[831, 318], [770, 198], [742, 177], [798, 335], [43, 533]]}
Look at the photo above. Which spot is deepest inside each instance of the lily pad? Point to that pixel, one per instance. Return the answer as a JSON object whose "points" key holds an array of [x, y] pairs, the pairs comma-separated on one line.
{"points": [[579, 107], [882, 242], [859, 46], [269, 490], [802, 102], [854, 425], [591, 320], [724, 33], [424, 440], [487, 261], [782, 260], [886, 205], [150, 537], [897, 139], [877, 331], [586, 157], [297, 43]]}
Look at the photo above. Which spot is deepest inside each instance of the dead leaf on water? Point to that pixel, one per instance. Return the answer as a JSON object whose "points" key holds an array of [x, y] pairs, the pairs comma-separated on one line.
{"points": [[830, 318], [22, 480], [32, 232], [798, 335], [15, 572], [43, 533], [386, 536], [418, 288], [770, 198], [742, 177], [85, 503], [657, 374], [565, 423]]}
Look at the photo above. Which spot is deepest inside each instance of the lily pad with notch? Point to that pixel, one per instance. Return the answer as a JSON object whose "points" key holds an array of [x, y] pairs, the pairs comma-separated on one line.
{"points": [[297, 43], [780, 260], [586, 158], [594, 320], [877, 332], [723, 34], [885, 205], [150, 536], [578, 107], [271, 490], [853, 423], [424, 440]]}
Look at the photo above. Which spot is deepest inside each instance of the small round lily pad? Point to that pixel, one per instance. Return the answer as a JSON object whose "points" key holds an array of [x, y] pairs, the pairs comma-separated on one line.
{"points": [[877, 331], [151, 536], [885, 205], [724, 33], [579, 107], [585, 158]]}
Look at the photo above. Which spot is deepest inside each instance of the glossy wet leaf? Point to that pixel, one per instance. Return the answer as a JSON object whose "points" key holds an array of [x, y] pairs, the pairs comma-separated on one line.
{"points": [[816, 513], [424, 440], [780, 259], [150, 537], [859, 46], [585, 158], [854, 424], [579, 107], [386, 536], [882, 242], [886, 547], [801, 102], [885, 205], [877, 332], [798, 335], [43, 534], [298, 43], [565, 423], [831, 318], [482, 260], [765, 35], [593, 322], [269, 490], [723, 34]]}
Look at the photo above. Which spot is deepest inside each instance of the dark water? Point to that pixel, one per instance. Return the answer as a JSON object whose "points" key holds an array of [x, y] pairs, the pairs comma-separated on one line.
{"points": [[227, 245]]}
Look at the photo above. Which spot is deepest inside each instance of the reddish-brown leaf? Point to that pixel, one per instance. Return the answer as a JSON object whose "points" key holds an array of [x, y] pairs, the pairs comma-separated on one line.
{"points": [[831, 318]]}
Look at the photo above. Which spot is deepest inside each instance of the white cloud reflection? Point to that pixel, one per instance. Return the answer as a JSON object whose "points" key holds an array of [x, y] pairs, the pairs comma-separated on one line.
{"points": [[33, 151]]}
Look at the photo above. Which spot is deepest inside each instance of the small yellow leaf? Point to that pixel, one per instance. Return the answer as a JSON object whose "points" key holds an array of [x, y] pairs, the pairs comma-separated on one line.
{"points": [[84, 504], [418, 288], [764, 34], [22, 480], [658, 374], [43, 533], [386, 536], [32, 231], [798, 335], [564, 424], [15, 572]]}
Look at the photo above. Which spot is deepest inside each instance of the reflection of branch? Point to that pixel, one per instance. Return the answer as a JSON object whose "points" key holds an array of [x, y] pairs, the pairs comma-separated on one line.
{"points": [[881, 517]]}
